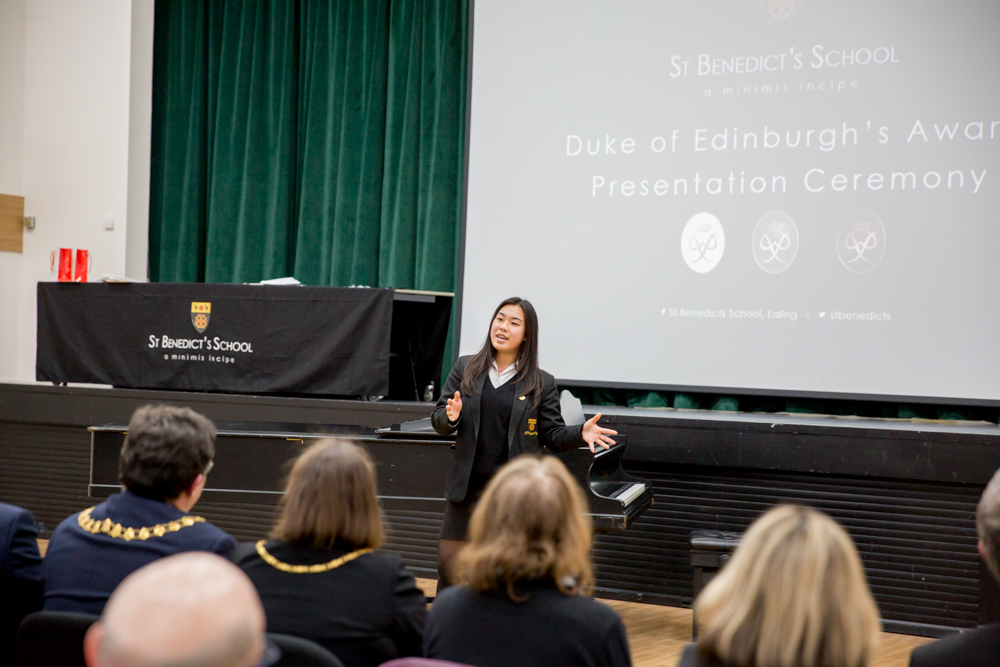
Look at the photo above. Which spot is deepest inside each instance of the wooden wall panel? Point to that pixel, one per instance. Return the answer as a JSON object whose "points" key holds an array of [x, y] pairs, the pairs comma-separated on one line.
{"points": [[11, 223]]}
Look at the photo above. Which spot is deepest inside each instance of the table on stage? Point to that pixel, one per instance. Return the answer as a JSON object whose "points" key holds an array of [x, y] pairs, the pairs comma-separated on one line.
{"points": [[260, 339]]}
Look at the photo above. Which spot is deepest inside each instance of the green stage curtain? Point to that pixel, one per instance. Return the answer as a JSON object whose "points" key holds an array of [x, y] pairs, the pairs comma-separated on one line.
{"points": [[424, 145], [317, 138], [179, 159], [342, 109]]}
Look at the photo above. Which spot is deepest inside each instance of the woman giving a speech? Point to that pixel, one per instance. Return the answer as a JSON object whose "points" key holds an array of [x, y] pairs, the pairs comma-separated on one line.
{"points": [[502, 405]]}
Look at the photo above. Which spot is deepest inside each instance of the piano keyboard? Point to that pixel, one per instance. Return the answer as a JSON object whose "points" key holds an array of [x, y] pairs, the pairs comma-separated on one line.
{"points": [[622, 491], [630, 493]]}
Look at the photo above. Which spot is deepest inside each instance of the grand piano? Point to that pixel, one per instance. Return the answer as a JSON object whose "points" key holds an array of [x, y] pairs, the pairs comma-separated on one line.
{"points": [[252, 459], [616, 498]]}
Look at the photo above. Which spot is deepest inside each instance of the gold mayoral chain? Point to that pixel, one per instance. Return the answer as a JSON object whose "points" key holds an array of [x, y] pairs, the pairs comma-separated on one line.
{"points": [[117, 531], [308, 569]]}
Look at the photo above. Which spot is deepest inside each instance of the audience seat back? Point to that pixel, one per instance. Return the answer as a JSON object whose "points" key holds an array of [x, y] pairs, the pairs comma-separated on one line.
{"points": [[421, 662], [298, 652], [53, 639]]}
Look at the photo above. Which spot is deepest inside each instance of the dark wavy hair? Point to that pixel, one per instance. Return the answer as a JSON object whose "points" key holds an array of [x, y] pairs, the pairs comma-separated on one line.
{"points": [[527, 354], [165, 449]]}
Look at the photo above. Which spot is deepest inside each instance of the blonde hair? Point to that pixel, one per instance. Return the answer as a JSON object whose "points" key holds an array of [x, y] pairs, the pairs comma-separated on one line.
{"points": [[531, 523], [331, 495], [793, 595], [988, 524]]}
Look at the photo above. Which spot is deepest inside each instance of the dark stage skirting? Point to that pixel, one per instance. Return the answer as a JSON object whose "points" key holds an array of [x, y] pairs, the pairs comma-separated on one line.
{"points": [[905, 492]]}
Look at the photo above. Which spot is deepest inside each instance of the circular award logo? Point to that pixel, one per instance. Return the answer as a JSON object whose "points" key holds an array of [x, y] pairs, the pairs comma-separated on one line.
{"points": [[703, 242], [861, 241], [775, 242]]}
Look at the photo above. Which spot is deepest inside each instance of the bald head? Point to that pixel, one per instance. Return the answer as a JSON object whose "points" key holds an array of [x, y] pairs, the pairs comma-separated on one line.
{"points": [[188, 610]]}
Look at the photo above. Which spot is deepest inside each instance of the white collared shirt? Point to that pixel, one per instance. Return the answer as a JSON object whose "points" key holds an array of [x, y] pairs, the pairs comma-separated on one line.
{"points": [[497, 378]]}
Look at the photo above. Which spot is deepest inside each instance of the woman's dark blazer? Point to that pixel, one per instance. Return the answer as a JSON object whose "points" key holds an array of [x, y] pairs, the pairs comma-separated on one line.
{"points": [[366, 612], [531, 428]]}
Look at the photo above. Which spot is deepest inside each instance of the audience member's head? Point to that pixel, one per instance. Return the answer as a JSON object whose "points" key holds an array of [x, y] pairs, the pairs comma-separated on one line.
{"points": [[330, 496], [531, 523], [793, 595], [188, 610], [988, 525], [167, 453]]}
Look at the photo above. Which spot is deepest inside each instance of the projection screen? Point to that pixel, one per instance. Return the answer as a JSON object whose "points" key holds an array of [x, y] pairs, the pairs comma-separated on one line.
{"points": [[764, 195]]}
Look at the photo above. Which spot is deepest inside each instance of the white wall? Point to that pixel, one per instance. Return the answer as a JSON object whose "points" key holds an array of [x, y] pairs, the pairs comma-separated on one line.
{"points": [[75, 90], [140, 119], [11, 166]]}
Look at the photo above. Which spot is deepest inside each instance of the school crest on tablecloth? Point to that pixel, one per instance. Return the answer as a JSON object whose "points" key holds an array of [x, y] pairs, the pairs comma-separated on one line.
{"points": [[201, 312]]}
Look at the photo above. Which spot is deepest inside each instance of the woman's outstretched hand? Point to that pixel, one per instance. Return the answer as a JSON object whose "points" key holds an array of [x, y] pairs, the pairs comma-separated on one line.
{"points": [[592, 433], [454, 408]]}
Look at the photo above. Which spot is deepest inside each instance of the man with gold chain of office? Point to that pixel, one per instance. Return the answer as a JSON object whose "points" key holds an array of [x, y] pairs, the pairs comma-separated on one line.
{"points": [[164, 462]]}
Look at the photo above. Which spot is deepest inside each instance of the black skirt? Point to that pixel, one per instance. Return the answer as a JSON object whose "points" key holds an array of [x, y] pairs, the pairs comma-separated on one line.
{"points": [[456, 515]]}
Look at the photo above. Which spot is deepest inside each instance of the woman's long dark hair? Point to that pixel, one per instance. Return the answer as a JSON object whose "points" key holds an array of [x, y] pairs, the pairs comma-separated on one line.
{"points": [[527, 354]]}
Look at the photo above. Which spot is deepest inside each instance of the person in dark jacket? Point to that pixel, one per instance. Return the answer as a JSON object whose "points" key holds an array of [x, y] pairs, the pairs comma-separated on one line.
{"points": [[164, 461], [321, 576], [980, 647], [793, 594], [522, 575], [502, 405], [20, 575]]}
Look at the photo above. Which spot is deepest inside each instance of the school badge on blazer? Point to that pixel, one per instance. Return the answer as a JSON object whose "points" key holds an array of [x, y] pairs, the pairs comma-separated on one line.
{"points": [[201, 311], [531, 427]]}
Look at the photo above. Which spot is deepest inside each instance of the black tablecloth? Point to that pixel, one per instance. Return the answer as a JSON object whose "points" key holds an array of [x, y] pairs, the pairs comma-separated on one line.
{"points": [[233, 338]]}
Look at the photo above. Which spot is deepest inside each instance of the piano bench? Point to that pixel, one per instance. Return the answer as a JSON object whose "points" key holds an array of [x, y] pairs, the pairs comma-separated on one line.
{"points": [[710, 550]]}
